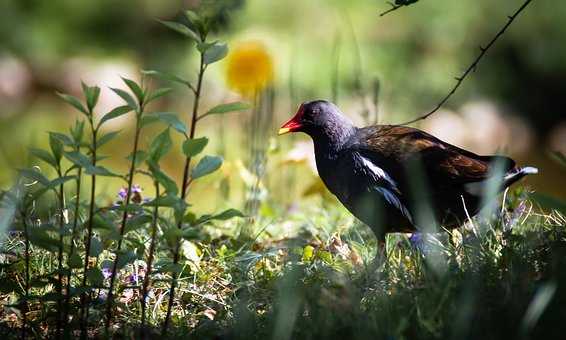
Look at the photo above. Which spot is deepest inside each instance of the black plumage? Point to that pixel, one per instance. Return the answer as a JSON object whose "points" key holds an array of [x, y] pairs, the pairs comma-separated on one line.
{"points": [[385, 174]]}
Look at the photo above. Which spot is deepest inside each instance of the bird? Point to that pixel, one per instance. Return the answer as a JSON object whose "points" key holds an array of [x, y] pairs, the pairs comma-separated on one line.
{"points": [[385, 174]]}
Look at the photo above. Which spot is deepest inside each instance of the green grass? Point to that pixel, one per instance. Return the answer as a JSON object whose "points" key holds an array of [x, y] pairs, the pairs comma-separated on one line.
{"points": [[503, 277]]}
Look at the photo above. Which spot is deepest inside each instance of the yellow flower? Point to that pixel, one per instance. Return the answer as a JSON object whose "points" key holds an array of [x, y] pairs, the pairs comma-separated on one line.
{"points": [[249, 68]]}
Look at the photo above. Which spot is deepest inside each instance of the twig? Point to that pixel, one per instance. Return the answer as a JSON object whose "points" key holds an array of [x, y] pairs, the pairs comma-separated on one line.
{"points": [[183, 194], [72, 251], [60, 254], [398, 4], [472, 66], [150, 257], [27, 270], [392, 9], [85, 296], [125, 215]]}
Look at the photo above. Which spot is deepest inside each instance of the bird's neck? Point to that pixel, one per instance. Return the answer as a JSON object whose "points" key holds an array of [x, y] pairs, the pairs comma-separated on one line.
{"points": [[331, 139]]}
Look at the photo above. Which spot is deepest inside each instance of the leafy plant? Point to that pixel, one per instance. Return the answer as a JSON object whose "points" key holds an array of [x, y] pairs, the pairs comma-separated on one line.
{"points": [[196, 30]]}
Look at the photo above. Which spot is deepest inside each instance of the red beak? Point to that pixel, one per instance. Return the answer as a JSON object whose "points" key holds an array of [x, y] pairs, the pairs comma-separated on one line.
{"points": [[294, 124]]}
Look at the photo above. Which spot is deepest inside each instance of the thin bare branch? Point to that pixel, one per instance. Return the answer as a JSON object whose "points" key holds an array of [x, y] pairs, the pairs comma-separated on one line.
{"points": [[395, 6], [473, 65]]}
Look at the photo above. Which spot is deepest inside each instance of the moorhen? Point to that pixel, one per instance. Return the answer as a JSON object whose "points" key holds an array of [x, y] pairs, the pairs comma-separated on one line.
{"points": [[385, 174]]}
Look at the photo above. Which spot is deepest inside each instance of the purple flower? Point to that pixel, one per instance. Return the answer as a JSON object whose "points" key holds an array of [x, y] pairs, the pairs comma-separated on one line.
{"points": [[136, 196], [102, 295], [133, 278], [416, 239], [106, 272], [419, 241], [122, 194], [515, 216]]}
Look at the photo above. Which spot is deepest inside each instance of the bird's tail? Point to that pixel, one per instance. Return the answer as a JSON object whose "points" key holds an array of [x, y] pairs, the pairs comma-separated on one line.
{"points": [[517, 173]]}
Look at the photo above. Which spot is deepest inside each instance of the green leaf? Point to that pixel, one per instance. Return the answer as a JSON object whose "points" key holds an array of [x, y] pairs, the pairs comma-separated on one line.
{"points": [[136, 89], [141, 156], [99, 222], [168, 77], [100, 171], [192, 16], [169, 184], [95, 247], [190, 218], [127, 98], [224, 108], [163, 201], [62, 138], [191, 233], [223, 216], [169, 267], [126, 258], [192, 147], [115, 113], [148, 120], [91, 94], [77, 131], [56, 147], [95, 277], [34, 175], [200, 23], [207, 165], [137, 222], [75, 261], [58, 181], [172, 234], [203, 46], [44, 156], [308, 253], [325, 256], [228, 214], [106, 138], [73, 101], [158, 93], [184, 30], [217, 51], [42, 239], [37, 194], [170, 119], [160, 146], [78, 159]]}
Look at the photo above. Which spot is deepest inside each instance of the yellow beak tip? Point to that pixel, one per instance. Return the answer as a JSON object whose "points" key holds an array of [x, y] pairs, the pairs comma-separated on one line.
{"points": [[283, 131]]}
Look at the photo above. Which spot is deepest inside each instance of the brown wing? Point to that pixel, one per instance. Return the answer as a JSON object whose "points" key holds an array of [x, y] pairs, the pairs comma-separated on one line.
{"points": [[444, 164]]}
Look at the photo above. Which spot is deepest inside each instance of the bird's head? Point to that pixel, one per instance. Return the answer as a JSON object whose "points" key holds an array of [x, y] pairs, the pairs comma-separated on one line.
{"points": [[319, 119]]}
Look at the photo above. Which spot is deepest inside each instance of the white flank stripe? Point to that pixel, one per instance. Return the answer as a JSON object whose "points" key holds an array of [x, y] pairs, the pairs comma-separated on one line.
{"points": [[378, 172]]}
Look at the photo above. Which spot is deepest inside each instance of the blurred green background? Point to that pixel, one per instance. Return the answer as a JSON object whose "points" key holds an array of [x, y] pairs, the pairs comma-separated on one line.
{"points": [[330, 49]]}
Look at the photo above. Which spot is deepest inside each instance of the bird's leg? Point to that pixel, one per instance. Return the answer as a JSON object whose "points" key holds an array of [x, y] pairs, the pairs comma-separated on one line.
{"points": [[380, 258]]}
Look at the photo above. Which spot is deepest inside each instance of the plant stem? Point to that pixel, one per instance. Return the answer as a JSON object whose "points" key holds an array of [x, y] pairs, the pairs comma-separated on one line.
{"points": [[110, 298], [146, 280], [60, 255], [84, 296], [73, 237], [27, 283], [184, 188]]}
